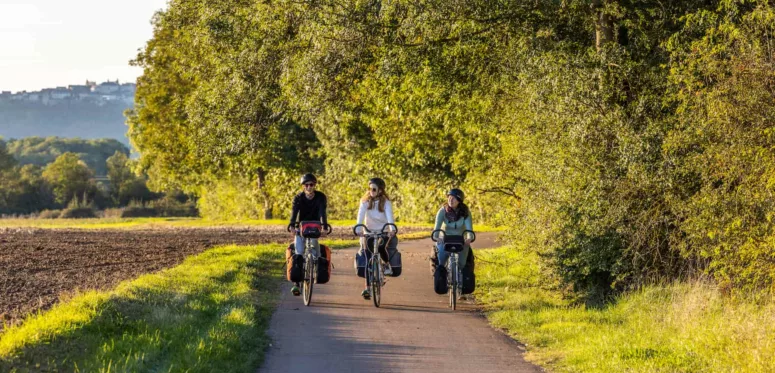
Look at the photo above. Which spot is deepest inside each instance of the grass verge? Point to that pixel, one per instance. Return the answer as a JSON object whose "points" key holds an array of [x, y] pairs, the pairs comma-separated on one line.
{"points": [[208, 314], [674, 328]]}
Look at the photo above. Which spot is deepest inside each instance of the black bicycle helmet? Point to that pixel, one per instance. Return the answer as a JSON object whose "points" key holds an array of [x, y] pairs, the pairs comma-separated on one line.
{"points": [[378, 182], [308, 178], [457, 193]]}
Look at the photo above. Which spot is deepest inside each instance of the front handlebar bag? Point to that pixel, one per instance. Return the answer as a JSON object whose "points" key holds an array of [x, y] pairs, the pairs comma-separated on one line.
{"points": [[453, 244], [311, 229]]}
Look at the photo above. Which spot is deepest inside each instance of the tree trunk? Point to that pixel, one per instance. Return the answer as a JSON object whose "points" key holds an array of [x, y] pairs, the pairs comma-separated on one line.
{"points": [[260, 183], [604, 28]]}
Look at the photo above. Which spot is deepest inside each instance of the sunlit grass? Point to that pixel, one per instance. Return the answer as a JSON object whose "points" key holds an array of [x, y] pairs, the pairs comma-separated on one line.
{"points": [[676, 328], [208, 314]]}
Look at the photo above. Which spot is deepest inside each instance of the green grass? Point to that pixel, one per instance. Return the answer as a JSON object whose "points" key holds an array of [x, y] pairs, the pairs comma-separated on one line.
{"points": [[681, 327], [140, 223], [208, 314]]}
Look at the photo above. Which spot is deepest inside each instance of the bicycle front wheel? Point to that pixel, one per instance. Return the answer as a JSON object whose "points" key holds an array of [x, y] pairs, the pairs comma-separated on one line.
{"points": [[376, 283], [309, 280], [453, 287]]}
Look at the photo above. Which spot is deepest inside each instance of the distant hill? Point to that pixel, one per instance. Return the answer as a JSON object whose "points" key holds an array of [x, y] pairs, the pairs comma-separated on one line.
{"points": [[42, 151], [68, 119]]}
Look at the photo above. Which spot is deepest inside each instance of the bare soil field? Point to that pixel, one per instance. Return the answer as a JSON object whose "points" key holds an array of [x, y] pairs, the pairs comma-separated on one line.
{"points": [[40, 266]]}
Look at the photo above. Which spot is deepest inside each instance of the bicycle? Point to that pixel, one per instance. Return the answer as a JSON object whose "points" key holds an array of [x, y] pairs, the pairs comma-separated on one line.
{"points": [[453, 245], [308, 231], [375, 277]]}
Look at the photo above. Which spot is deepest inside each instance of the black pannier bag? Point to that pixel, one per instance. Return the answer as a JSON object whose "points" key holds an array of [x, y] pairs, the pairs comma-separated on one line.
{"points": [[434, 259], [469, 277], [295, 265], [361, 259], [324, 265], [395, 262], [440, 280]]}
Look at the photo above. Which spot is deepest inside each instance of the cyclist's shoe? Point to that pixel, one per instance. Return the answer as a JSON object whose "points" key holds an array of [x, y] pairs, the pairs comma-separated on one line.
{"points": [[365, 294], [295, 290], [462, 297], [388, 270]]}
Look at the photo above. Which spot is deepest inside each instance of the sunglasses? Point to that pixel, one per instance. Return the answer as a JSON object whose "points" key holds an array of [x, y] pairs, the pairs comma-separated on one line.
{"points": [[309, 185]]}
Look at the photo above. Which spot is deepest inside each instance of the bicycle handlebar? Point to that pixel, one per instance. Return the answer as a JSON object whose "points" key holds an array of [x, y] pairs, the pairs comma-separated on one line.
{"points": [[435, 238], [327, 227], [368, 232]]}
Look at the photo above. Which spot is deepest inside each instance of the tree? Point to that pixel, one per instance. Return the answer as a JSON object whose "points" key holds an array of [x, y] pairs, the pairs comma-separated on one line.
{"points": [[6, 160], [119, 171], [70, 178]]}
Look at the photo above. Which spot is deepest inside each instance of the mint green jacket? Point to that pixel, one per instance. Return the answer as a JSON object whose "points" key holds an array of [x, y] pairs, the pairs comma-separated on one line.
{"points": [[453, 228]]}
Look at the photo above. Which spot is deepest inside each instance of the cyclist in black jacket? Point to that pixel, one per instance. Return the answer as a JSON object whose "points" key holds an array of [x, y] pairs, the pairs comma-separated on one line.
{"points": [[309, 205]]}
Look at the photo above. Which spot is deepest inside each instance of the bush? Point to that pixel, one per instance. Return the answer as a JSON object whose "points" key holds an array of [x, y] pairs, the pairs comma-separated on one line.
{"points": [[171, 207], [139, 212], [50, 214], [78, 213], [112, 213]]}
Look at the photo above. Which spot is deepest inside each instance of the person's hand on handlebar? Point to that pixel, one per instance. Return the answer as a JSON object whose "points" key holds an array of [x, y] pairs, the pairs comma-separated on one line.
{"points": [[390, 234], [292, 228], [468, 241]]}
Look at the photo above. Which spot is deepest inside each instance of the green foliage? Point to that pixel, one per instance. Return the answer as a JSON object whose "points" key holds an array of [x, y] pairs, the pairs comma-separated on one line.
{"points": [[41, 151], [70, 178], [622, 143], [7, 161]]}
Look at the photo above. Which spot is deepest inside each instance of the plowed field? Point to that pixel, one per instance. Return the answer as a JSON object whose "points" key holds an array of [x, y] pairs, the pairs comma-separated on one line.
{"points": [[39, 266]]}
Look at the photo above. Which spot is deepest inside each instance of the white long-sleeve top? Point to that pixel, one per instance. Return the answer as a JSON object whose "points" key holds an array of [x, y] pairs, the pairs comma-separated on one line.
{"points": [[374, 219]]}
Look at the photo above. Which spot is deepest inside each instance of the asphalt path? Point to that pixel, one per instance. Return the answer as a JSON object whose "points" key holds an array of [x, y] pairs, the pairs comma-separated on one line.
{"points": [[414, 330]]}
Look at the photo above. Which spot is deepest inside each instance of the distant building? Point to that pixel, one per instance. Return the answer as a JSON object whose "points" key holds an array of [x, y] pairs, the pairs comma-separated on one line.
{"points": [[60, 93], [107, 87], [78, 89]]}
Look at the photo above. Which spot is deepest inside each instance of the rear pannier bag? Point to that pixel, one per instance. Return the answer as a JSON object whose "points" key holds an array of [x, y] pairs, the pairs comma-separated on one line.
{"points": [[395, 263], [324, 265], [469, 277], [361, 259], [434, 259], [440, 280], [294, 265]]}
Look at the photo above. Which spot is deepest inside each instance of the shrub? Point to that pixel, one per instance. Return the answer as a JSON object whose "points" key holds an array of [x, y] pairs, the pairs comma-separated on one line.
{"points": [[78, 213], [50, 214], [139, 212]]}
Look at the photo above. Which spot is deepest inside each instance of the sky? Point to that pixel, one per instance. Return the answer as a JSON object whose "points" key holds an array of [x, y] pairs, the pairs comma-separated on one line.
{"points": [[50, 43]]}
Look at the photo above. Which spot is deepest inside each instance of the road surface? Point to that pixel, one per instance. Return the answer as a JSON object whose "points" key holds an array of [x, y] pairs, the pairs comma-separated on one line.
{"points": [[414, 330]]}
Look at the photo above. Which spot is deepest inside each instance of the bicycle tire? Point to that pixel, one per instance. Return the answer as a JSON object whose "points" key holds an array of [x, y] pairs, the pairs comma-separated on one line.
{"points": [[453, 288], [376, 283], [309, 280]]}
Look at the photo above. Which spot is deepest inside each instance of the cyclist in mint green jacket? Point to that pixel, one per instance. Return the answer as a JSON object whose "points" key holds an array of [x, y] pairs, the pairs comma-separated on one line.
{"points": [[456, 218]]}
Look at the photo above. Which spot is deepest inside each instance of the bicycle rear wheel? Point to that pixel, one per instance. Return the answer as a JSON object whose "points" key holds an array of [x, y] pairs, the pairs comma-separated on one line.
{"points": [[376, 282], [309, 280]]}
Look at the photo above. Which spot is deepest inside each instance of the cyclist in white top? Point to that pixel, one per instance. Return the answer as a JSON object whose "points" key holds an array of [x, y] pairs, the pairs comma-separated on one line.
{"points": [[376, 211]]}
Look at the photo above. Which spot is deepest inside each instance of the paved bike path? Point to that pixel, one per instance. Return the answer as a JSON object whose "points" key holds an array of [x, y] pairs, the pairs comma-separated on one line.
{"points": [[413, 330]]}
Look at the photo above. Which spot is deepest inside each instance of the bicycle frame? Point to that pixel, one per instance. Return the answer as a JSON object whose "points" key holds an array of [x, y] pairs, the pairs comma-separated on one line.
{"points": [[375, 276], [454, 276]]}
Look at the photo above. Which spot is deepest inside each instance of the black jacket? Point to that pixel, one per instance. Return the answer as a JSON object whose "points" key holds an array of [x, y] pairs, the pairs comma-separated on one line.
{"points": [[309, 209]]}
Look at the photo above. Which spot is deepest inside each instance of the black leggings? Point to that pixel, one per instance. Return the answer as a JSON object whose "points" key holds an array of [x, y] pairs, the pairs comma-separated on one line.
{"points": [[392, 243]]}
